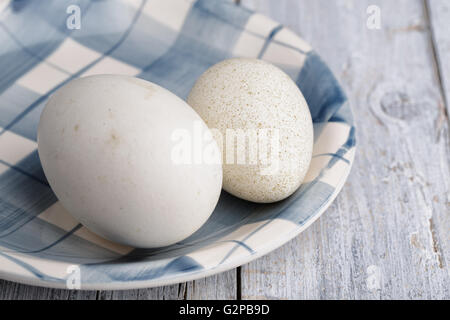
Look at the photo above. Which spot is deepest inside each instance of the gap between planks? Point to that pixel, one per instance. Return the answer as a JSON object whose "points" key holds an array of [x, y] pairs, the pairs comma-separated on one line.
{"points": [[436, 58]]}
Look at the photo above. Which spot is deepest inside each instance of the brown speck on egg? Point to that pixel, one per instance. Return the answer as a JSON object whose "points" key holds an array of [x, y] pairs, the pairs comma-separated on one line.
{"points": [[102, 179]]}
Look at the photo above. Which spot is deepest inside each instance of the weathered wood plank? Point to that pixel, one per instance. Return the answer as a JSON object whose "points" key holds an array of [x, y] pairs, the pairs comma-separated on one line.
{"points": [[386, 236], [221, 286]]}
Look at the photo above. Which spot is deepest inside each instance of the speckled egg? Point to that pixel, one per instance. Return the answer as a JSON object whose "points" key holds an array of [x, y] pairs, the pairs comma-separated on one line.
{"points": [[262, 124], [106, 146]]}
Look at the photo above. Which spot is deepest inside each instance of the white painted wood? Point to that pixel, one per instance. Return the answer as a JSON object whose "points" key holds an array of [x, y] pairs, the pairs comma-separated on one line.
{"points": [[386, 236]]}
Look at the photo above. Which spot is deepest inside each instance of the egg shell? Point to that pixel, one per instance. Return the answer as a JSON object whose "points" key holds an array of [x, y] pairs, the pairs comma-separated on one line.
{"points": [[105, 144], [250, 94]]}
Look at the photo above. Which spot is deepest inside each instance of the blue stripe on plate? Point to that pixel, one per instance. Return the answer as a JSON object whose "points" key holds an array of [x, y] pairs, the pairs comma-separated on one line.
{"points": [[104, 24], [13, 101], [204, 40], [332, 155], [137, 270], [37, 273], [22, 199], [29, 37], [269, 39], [320, 88]]}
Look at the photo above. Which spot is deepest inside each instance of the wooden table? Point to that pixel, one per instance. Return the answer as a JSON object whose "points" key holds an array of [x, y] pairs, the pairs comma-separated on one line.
{"points": [[387, 235]]}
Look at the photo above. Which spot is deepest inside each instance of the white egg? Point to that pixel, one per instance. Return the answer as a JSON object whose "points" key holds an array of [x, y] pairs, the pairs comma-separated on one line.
{"points": [[106, 147], [262, 123]]}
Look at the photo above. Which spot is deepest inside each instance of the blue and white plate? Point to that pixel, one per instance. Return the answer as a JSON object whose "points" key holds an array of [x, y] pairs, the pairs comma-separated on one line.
{"points": [[45, 44]]}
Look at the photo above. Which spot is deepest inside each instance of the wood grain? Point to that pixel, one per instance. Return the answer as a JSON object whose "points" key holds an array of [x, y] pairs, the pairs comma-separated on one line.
{"points": [[386, 236]]}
